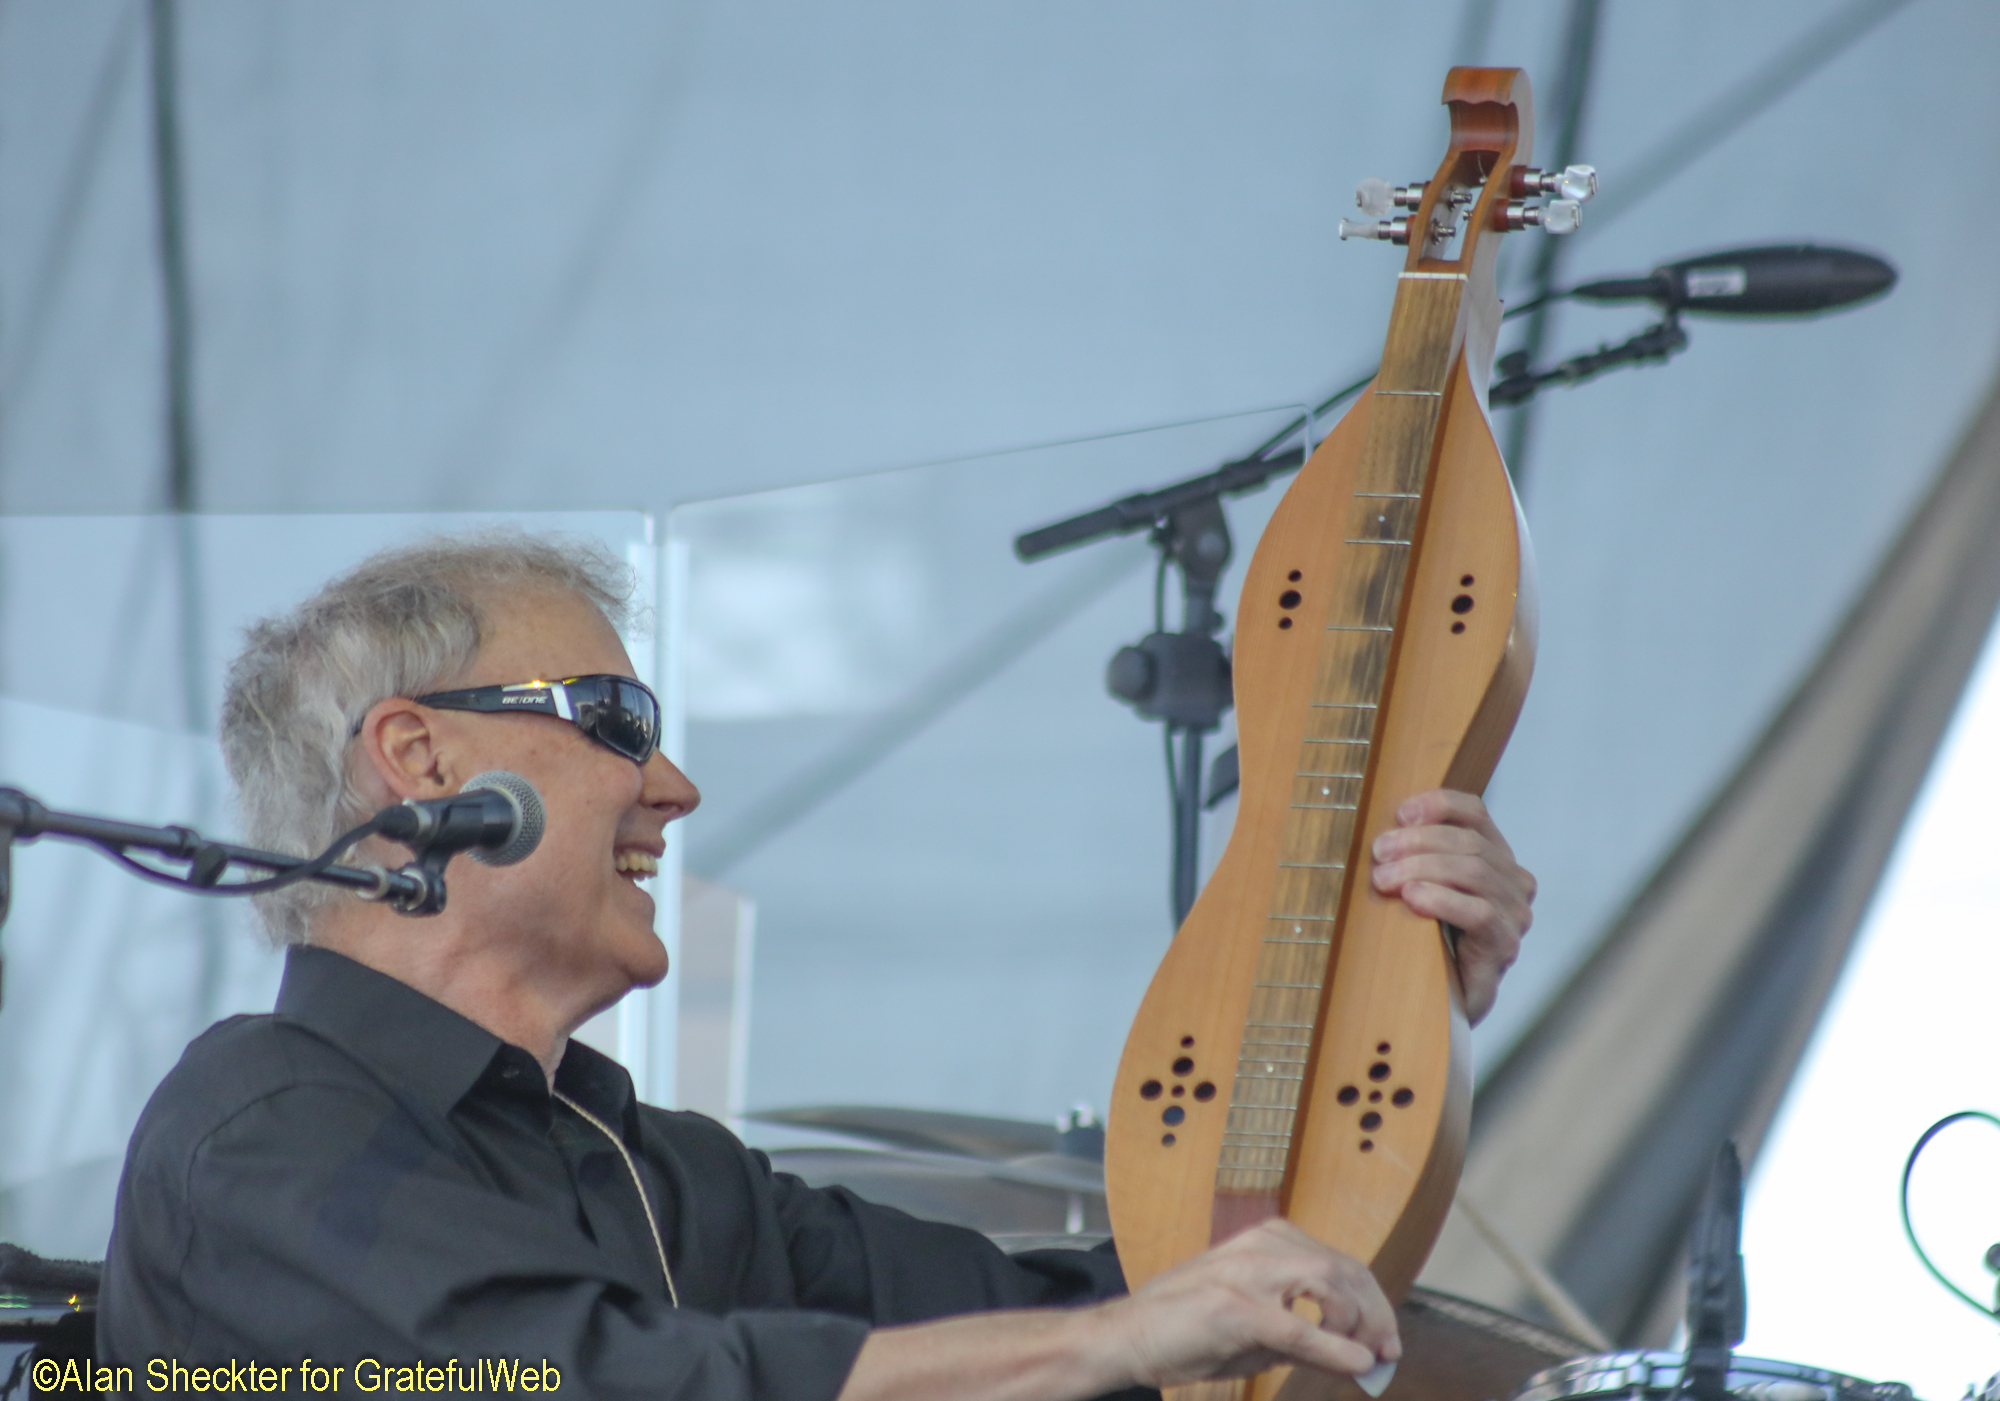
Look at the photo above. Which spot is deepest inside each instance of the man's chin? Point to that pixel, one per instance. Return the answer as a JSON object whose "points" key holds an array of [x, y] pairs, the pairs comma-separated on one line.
{"points": [[646, 963]]}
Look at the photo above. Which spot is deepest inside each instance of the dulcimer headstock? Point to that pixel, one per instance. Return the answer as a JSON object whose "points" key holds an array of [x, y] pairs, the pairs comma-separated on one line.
{"points": [[1482, 187]]}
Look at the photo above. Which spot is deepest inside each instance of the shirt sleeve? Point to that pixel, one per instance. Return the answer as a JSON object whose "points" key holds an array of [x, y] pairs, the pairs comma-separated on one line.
{"points": [[852, 1256], [313, 1225]]}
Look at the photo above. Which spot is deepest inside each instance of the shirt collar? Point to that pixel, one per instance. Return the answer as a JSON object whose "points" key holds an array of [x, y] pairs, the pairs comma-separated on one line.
{"points": [[600, 1084], [415, 1042], [419, 1044]]}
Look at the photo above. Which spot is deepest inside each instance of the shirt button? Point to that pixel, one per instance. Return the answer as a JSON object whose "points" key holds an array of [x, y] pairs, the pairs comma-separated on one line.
{"points": [[510, 1072]]}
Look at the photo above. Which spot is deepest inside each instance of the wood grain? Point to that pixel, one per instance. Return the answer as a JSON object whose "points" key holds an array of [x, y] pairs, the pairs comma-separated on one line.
{"points": [[1302, 1050]]}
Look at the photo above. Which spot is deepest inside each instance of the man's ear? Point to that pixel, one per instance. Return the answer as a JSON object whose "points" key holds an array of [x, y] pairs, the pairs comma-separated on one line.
{"points": [[400, 754]]}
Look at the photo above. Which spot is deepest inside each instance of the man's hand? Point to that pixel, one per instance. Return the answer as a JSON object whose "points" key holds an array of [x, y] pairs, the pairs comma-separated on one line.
{"points": [[1227, 1313], [1449, 862]]}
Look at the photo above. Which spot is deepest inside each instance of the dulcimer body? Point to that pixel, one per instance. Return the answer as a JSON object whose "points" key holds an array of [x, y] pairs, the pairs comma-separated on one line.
{"points": [[1302, 1051]]}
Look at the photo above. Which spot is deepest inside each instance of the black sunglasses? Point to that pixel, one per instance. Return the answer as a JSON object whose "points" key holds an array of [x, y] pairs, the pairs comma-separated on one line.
{"points": [[619, 713]]}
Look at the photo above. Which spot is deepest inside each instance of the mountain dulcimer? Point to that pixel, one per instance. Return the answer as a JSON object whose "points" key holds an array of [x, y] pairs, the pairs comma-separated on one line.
{"points": [[1302, 1051]]}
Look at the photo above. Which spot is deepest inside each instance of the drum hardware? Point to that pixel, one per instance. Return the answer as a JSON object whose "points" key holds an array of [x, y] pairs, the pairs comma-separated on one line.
{"points": [[1710, 1369], [1717, 1307], [1655, 1376], [1992, 1258], [48, 1305]]}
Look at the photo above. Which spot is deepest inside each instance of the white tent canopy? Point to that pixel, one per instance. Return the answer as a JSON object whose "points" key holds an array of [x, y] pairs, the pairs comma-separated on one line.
{"points": [[485, 255]]}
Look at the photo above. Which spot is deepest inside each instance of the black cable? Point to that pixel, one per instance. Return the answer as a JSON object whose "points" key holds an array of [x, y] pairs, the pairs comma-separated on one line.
{"points": [[250, 887], [1285, 433], [1160, 625], [1910, 1232], [1579, 63]]}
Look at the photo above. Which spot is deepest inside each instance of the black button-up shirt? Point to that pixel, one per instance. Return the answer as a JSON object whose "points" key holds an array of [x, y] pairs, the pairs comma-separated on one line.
{"points": [[367, 1174]]}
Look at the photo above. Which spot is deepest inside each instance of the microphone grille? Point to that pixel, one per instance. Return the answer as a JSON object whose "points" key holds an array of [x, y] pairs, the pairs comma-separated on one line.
{"points": [[530, 816]]}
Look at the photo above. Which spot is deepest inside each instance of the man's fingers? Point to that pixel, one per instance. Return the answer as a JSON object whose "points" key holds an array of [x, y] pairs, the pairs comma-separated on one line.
{"points": [[1372, 1321], [1446, 807], [1470, 872], [1301, 1341]]}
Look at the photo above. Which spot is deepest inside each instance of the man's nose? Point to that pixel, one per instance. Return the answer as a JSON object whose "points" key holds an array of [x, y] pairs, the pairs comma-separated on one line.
{"points": [[667, 788]]}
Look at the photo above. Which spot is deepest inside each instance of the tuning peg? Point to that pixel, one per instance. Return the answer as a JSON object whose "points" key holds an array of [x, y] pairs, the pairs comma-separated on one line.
{"points": [[1576, 182], [1379, 198], [1389, 230], [1579, 182], [1374, 197], [1559, 216]]}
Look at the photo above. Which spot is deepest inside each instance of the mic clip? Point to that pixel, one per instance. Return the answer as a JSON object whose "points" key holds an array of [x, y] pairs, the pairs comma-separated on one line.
{"points": [[419, 888]]}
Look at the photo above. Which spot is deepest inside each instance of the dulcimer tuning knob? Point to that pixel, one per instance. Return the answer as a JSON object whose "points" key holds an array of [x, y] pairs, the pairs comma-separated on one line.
{"points": [[1558, 216], [1575, 182], [1388, 230], [1374, 197]]}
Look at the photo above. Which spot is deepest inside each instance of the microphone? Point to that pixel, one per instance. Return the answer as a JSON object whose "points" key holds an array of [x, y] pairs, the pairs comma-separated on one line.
{"points": [[497, 815], [1788, 279]]}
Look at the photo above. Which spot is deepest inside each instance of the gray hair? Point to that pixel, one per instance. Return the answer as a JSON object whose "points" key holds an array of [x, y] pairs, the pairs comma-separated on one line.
{"points": [[404, 622]]}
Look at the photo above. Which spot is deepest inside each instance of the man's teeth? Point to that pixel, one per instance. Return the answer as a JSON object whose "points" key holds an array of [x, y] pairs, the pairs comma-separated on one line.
{"points": [[636, 863]]}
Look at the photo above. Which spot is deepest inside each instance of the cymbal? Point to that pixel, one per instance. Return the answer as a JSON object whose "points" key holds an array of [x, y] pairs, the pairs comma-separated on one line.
{"points": [[1456, 1350], [924, 1130], [1006, 1177]]}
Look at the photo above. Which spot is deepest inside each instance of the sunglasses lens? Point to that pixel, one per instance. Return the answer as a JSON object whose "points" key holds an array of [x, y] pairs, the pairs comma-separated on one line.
{"points": [[621, 715]]}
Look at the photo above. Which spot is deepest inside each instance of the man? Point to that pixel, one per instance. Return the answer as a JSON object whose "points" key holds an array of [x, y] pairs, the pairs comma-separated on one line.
{"points": [[412, 1162]]}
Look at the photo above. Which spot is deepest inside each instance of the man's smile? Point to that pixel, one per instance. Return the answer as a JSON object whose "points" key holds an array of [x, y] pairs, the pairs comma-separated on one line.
{"points": [[636, 864]]}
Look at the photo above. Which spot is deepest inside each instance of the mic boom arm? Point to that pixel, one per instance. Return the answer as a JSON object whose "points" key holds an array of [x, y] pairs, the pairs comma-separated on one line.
{"points": [[415, 889]]}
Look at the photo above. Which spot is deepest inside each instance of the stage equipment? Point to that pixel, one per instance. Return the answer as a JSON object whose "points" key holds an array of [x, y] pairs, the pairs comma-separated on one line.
{"points": [[1992, 1258], [1779, 281], [1717, 1311], [1302, 1051], [498, 814], [1022, 1182], [1664, 1376], [1167, 675]]}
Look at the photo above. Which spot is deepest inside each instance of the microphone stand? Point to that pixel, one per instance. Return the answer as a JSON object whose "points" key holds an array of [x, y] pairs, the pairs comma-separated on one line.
{"points": [[415, 889], [1181, 678]]}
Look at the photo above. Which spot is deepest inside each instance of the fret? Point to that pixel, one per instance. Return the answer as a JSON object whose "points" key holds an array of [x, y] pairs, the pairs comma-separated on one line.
{"points": [[1355, 653]]}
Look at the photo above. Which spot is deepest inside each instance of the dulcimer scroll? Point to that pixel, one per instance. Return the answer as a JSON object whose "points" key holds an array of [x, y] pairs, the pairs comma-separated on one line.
{"points": [[1302, 1051]]}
